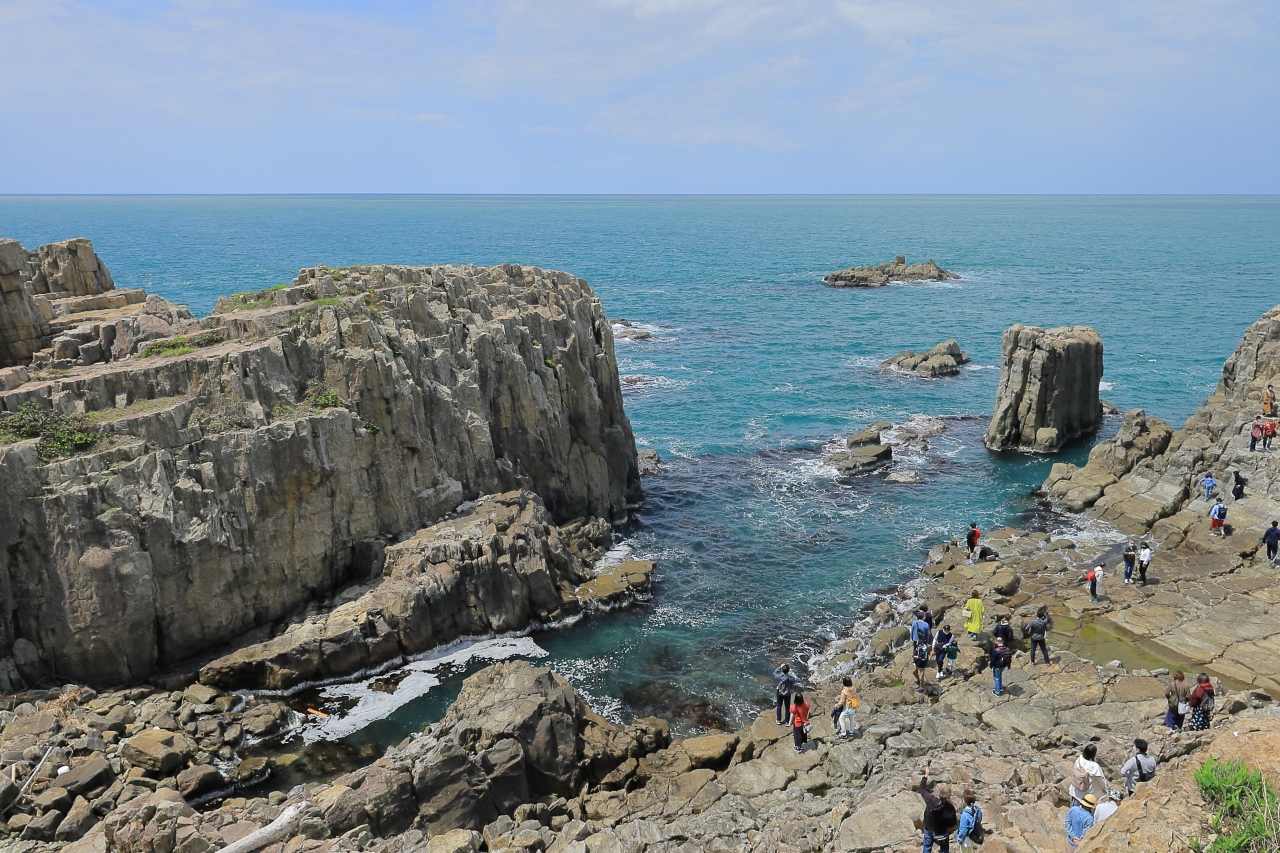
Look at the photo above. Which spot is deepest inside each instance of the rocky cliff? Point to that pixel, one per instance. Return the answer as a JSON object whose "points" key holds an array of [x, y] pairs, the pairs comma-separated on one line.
{"points": [[879, 276], [1048, 392], [208, 483]]}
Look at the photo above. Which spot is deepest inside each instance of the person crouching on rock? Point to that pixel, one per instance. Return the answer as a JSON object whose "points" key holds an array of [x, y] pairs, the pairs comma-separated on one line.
{"points": [[799, 721], [939, 815], [786, 685]]}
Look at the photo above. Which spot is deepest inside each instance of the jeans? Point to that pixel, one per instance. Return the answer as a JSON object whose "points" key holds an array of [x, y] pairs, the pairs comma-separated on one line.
{"points": [[1093, 589], [1043, 648], [997, 672], [784, 707], [800, 737], [1142, 573], [942, 839], [1253, 442], [1271, 552], [848, 721], [1128, 568]]}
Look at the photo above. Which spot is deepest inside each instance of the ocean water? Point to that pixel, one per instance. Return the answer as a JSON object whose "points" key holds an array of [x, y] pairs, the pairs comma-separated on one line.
{"points": [[753, 366]]}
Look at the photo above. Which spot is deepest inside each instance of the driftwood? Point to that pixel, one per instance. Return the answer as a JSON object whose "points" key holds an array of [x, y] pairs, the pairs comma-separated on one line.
{"points": [[278, 830]]}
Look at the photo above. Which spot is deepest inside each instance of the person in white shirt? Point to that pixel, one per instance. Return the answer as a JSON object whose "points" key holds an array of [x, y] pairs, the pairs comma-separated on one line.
{"points": [[1106, 808], [1140, 768], [1087, 776], [1144, 563]]}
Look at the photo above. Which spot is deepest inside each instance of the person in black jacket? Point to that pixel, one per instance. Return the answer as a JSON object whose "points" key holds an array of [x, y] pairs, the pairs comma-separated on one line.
{"points": [[1004, 631], [939, 815]]}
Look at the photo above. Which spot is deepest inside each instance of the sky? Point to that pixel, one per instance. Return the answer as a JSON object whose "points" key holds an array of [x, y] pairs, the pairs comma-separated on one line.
{"points": [[640, 96]]}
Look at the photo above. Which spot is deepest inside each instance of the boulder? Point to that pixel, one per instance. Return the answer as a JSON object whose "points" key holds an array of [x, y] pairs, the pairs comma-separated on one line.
{"points": [[649, 462], [200, 779], [756, 778], [886, 822], [713, 751], [863, 458], [157, 751], [1048, 392], [943, 360], [870, 434], [455, 841], [879, 276], [80, 819], [88, 776]]}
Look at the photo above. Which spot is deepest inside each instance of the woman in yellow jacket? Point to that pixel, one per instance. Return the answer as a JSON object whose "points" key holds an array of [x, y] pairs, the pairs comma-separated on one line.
{"points": [[974, 623]]}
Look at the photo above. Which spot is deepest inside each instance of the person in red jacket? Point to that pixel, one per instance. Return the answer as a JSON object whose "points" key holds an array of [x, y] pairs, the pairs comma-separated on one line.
{"points": [[971, 539], [800, 720]]}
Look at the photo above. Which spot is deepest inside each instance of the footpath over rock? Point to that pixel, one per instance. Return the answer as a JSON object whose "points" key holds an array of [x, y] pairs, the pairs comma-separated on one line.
{"points": [[1048, 392]]}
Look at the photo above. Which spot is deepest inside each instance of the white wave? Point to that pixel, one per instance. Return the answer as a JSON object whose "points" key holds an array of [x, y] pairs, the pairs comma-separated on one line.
{"points": [[619, 553], [1106, 386], [637, 383], [972, 366], [373, 704]]}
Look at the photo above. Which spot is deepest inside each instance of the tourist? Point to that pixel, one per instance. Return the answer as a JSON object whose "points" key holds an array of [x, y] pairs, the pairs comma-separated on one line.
{"points": [[1272, 540], [1080, 820], [921, 652], [1269, 402], [922, 623], [1105, 808], [925, 614], [1268, 433], [1237, 489], [1130, 559], [1255, 433], [1201, 704], [1144, 562], [1086, 775], [1218, 519], [1209, 485], [1001, 657], [1140, 768], [1038, 633], [1177, 694], [848, 708], [785, 687], [971, 831], [971, 539], [1004, 631], [939, 815], [974, 609], [942, 641], [1094, 579], [953, 655], [800, 720], [986, 554]]}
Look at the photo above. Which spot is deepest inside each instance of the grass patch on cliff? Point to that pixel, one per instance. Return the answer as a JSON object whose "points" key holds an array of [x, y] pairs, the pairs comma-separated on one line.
{"points": [[1246, 812], [60, 435], [182, 345]]}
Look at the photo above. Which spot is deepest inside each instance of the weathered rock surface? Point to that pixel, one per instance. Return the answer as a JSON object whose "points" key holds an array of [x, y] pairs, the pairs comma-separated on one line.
{"points": [[262, 458], [1076, 489], [862, 458], [943, 360], [879, 276], [1048, 392]]}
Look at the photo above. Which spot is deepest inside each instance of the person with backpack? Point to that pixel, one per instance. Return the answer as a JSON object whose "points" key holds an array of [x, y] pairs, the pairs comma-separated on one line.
{"points": [[925, 615], [1130, 559], [941, 642], [1094, 578], [1268, 433], [786, 685], [939, 815], [1201, 702], [1272, 540], [971, 831], [1255, 433], [1140, 768], [800, 721], [1086, 775], [1001, 657], [921, 651], [1079, 820], [1218, 518], [973, 609], [848, 708], [1038, 633], [1144, 562], [1004, 630], [971, 539]]}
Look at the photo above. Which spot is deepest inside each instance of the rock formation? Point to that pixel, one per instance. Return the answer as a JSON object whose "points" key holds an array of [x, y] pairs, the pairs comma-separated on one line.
{"points": [[209, 483], [1076, 489], [881, 275], [1048, 392], [943, 360], [864, 452]]}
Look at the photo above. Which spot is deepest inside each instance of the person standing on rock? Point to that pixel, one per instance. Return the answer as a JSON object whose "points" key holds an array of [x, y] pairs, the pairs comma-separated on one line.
{"points": [[974, 608], [1144, 562], [971, 830], [1038, 633], [1080, 820], [1255, 433], [939, 815], [1268, 433], [1106, 808], [1272, 540], [941, 642], [925, 615], [786, 685], [1094, 577], [971, 539], [1004, 630], [1201, 703], [1001, 657], [1130, 559], [1086, 775], [1218, 519], [921, 651], [1177, 694], [1269, 402], [848, 708], [1140, 768], [799, 721], [1209, 485], [921, 629]]}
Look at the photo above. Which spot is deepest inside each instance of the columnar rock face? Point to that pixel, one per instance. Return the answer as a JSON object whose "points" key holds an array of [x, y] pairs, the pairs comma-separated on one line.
{"points": [[1048, 393], [879, 276], [261, 458]]}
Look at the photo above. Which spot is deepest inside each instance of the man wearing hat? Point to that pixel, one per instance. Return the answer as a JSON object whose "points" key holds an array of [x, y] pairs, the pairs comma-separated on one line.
{"points": [[1079, 819]]}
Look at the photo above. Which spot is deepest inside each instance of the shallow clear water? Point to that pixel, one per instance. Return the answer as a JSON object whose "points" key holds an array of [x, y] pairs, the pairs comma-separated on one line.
{"points": [[754, 364]]}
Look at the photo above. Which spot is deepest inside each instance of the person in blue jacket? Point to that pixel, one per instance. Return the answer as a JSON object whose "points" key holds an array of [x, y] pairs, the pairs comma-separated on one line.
{"points": [[1079, 820], [970, 830]]}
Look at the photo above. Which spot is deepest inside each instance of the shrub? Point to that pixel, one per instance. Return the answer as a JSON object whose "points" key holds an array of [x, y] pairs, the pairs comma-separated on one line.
{"points": [[171, 347], [60, 435]]}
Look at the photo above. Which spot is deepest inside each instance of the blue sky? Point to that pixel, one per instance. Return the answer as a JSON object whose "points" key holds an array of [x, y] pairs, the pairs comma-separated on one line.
{"points": [[641, 96]]}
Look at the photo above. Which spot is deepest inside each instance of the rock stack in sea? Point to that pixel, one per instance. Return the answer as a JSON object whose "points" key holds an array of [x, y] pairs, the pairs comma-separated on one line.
{"points": [[863, 450], [879, 276], [943, 360], [198, 480], [1048, 392]]}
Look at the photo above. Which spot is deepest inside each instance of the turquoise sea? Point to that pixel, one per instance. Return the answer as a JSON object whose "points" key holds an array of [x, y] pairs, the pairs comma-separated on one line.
{"points": [[753, 364]]}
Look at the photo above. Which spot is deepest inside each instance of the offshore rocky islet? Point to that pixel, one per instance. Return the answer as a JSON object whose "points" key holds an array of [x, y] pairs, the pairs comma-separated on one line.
{"points": [[745, 790]]}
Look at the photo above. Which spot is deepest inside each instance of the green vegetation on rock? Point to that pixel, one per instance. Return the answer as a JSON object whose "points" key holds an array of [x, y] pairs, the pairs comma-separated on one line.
{"points": [[60, 435], [1246, 814]]}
